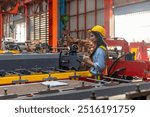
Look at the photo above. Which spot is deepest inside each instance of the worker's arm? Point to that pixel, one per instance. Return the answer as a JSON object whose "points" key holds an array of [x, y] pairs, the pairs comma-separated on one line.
{"points": [[99, 60]]}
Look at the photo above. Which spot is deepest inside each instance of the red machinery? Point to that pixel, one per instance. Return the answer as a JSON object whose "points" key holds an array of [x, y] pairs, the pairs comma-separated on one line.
{"points": [[122, 43], [136, 69], [141, 50], [140, 67]]}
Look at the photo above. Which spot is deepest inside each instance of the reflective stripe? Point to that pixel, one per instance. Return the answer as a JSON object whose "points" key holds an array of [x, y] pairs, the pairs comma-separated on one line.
{"points": [[97, 77], [103, 47]]}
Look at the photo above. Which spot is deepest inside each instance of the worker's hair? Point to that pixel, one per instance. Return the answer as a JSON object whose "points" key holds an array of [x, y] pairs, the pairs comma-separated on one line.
{"points": [[100, 42]]}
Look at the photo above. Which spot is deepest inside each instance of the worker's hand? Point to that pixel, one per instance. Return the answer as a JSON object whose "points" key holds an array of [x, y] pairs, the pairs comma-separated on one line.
{"points": [[83, 64], [85, 58], [87, 61]]}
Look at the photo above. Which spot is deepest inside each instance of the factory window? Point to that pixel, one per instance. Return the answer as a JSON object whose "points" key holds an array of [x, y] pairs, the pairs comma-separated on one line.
{"points": [[133, 27], [20, 32]]}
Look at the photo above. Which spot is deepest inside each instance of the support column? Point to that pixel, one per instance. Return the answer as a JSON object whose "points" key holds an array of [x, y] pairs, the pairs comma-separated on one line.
{"points": [[85, 17], [108, 18], [69, 15], [27, 23], [95, 12], [1, 29], [53, 22], [62, 13], [77, 22]]}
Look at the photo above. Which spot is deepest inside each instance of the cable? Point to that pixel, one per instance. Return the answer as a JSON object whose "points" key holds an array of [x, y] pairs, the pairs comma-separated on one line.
{"points": [[116, 62]]}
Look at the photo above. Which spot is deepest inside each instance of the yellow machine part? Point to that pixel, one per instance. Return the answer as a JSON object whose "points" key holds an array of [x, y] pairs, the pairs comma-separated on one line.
{"points": [[35, 78], [14, 51], [8, 79], [9, 51], [1, 52], [135, 50], [41, 77]]}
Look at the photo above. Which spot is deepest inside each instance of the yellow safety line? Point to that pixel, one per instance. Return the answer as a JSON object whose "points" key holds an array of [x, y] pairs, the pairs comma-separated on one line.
{"points": [[41, 77]]}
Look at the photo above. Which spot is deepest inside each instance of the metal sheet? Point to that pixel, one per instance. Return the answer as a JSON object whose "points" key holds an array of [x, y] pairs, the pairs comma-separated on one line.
{"points": [[21, 89], [100, 17], [81, 6], [84, 94], [100, 4], [73, 7], [90, 5], [90, 20]]}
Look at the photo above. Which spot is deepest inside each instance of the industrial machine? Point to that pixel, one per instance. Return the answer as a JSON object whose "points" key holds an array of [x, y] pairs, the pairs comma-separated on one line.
{"points": [[138, 50], [126, 64], [35, 67], [59, 76], [141, 50], [42, 75]]}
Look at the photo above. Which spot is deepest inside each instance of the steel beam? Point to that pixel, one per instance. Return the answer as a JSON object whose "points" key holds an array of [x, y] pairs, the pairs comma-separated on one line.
{"points": [[27, 22], [1, 29], [85, 18], [95, 12], [53, 23], [69, 15], [86, 93], [77, 18], [108, 18]]}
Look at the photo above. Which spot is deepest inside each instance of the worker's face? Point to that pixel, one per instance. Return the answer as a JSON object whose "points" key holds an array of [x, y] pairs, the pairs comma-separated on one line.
{"points": [[93, 38]]}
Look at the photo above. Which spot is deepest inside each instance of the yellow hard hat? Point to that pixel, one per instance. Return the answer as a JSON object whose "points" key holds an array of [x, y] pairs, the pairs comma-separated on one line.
{"points": [[99, 29]]}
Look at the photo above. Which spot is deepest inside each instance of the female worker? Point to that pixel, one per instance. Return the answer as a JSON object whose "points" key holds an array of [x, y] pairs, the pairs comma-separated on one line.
{"points": [[98, 56]]}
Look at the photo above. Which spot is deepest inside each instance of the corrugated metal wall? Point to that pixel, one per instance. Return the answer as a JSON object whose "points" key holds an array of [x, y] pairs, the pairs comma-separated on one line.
{"points": [[84, 14], [38, 21], [38, 26]]}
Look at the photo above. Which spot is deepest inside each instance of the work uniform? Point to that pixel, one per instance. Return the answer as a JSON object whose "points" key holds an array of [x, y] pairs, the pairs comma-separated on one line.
{"points": [[100, 56], [99, 60]]}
